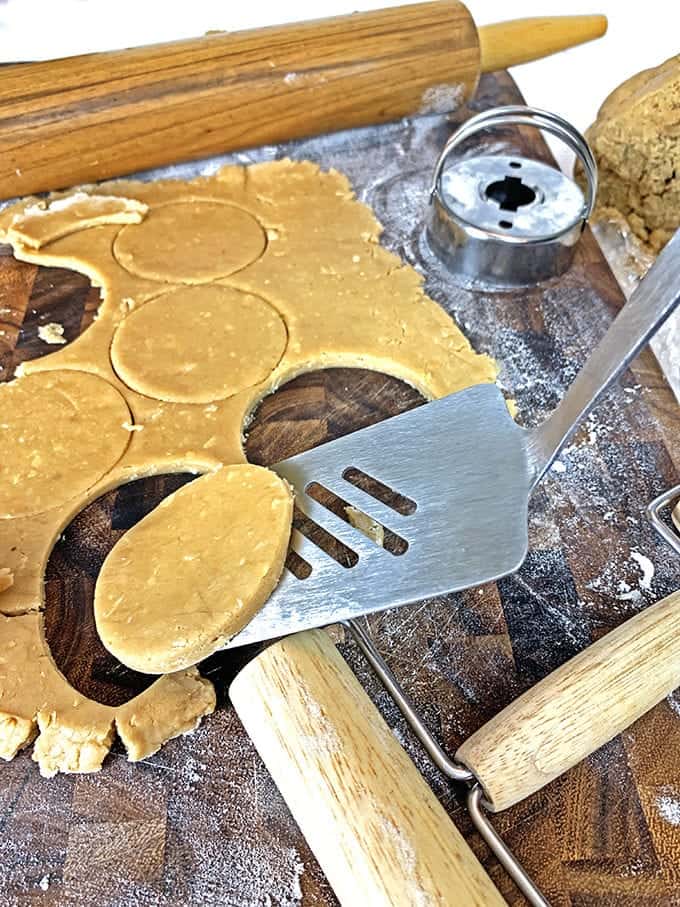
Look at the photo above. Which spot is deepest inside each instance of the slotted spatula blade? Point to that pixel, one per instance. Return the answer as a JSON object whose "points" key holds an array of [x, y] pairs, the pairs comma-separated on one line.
{"points": [[468, 467], [469, 525]]}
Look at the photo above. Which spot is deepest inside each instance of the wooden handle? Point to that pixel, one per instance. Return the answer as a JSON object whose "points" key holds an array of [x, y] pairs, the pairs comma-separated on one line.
{"points": [[522, 40], [91, 117], [87, 118], [579, 707], [376, 828]]}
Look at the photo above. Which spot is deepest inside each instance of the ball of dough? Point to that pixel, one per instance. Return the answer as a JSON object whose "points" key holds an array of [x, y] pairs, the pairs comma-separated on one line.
{"points": [[190, 242], [637, 145], [223, 539], [199, 344], [60, 432]]}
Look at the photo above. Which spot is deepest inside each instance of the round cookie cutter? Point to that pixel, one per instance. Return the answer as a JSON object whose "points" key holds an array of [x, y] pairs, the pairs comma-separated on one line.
{"points": [[504, 220]]}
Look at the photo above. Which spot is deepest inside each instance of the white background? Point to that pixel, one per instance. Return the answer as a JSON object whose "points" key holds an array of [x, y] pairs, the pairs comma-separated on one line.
{"points": [[641, 34]]}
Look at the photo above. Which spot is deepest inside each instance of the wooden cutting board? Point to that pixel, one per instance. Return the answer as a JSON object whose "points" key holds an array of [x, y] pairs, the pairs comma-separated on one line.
{"points": [[200, 822]]}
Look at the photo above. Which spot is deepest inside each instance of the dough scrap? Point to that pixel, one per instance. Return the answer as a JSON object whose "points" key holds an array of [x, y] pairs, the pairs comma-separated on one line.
{"points": [[173, 706], [223, 540], [52, 333], [300, 241], [43, 222], [199, 344], [59, 433], [74, 733], [6, 579], [190, 242]]}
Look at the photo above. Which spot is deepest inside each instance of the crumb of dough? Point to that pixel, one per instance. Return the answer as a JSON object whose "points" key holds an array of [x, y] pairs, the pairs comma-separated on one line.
{"points": [[365, 524], [53, 332], [15, 734], [76, 747], [172, 707], [6, 578]]}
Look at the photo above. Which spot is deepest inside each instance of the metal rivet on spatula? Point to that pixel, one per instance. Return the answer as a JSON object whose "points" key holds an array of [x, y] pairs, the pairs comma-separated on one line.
{"points": [[507, 220]]}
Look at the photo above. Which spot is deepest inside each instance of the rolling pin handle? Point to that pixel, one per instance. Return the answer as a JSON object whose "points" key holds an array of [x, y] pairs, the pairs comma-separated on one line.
{"points": [[456, 771]]}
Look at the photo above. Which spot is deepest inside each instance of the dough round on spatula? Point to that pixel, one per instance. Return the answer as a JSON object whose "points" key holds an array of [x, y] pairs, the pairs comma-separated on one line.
{"points": [[191, 574]]}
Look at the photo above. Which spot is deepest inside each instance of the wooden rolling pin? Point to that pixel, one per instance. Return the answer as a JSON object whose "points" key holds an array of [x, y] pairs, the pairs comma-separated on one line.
{"points": [[372, 822], [379, 833], [91, 117]]}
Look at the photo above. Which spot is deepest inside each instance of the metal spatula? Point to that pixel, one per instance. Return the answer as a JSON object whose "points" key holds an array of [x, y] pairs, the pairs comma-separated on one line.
{"points": [[467, 470]]}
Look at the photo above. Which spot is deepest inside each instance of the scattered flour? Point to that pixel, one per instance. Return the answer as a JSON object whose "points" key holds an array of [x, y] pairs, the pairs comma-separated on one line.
{"points": [[44, 883], [646, 568], [669, 808], [674, 702], [325, 740], [441, 99], [407, 857]]}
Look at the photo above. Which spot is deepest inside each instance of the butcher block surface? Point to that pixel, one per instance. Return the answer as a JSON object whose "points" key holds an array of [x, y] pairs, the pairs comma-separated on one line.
{"points": [[201, 822]]}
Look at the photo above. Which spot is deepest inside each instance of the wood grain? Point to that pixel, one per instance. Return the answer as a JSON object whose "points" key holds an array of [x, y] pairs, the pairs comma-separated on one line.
{"points": [[134, 109], [603, 835], [506, 44], [130, 110], [578, 708], [378, 831]]}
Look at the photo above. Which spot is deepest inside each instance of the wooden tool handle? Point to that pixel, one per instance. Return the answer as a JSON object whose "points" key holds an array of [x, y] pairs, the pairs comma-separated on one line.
{"points": [[378, 831], [522, 40], [577, 708], [87, 118], [101, 115]]}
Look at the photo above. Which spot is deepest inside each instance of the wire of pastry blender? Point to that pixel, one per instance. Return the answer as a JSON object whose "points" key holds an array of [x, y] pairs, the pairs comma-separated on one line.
{"points": [[460, 773], [453, 770]]}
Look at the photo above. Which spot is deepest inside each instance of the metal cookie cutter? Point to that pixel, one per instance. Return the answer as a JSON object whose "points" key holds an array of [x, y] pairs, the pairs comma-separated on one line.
{"points": [[507, 220]]}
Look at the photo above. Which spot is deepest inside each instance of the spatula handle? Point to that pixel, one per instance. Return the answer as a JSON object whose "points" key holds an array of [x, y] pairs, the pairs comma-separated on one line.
{"points": [[653, 301], [379, 833], [577, 708]]}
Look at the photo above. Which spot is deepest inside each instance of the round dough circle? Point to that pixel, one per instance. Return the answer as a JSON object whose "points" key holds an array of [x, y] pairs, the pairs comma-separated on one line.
{"points": [[224, 539], [190, 242], [61, 431], [199, 344]]}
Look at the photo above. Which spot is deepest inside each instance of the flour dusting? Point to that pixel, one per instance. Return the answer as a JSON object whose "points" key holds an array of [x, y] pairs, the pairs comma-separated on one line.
{"points": [[407, 857], [674, 702], [441, 99], [669, 808], [646, 569]]}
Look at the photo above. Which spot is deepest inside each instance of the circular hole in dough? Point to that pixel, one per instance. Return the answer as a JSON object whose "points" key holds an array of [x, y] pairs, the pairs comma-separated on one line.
{"points": [[61, 431], [193, 572], [198, 344], [190, 242], [76, 557]]}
